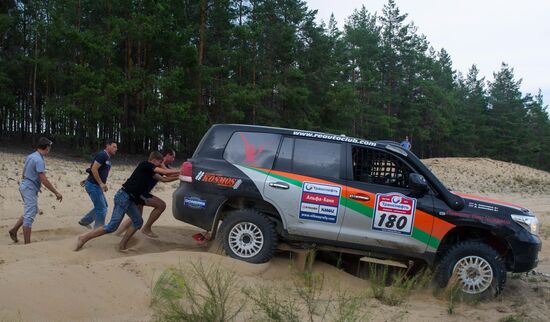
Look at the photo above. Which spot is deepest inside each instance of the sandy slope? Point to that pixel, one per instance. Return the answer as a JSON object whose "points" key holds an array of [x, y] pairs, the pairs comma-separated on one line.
{"points": [[46, 281]]}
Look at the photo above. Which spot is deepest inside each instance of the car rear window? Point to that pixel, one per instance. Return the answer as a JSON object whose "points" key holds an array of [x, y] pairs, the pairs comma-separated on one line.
{"points": [[252, 149]]}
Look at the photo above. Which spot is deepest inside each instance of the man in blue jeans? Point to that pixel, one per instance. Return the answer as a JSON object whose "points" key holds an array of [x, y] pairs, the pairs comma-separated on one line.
{"points": [[133, 192], [153, 201], [34, 176], [96, 185]]}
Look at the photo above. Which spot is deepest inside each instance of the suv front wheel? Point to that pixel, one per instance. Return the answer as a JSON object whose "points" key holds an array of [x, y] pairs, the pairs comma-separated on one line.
{"points": [[475, 268], [249, 235]]}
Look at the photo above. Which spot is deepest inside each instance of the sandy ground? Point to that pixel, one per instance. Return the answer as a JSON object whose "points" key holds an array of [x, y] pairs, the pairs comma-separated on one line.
{"points": [[47, 281]]}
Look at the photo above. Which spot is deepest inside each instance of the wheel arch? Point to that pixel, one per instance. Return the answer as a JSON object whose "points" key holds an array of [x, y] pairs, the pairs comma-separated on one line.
{"points": [[464, 233], [261, 205]]}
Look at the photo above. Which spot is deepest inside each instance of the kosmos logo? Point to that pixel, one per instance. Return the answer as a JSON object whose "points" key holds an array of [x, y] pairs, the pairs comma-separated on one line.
{"points": [[218, 179]]}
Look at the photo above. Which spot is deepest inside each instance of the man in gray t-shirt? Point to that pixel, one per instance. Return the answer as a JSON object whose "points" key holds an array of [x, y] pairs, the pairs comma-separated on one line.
{"points": [[34, 176]]}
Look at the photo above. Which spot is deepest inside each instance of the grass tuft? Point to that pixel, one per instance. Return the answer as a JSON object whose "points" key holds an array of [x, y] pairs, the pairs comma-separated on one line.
{"points": [[196, 293]]}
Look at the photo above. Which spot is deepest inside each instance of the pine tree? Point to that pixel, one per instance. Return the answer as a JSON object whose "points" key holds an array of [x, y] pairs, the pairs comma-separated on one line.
{"points": [[537, 145], [153, 74], [507, 116]]}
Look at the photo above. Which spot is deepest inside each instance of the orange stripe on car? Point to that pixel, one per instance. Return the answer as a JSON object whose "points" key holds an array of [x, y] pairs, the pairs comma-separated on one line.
{"points": [[441, 228], [301, 178], [423, 221]]}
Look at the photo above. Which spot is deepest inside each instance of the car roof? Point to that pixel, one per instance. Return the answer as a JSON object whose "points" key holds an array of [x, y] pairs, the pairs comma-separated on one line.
{"points": [[302, 133]]}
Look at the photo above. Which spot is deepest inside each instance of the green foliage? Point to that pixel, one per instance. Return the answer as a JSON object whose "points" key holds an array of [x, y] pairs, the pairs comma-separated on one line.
{"points": [[159, 73], [200, 293], [272, 306], [197, 293], [394, 287], [514, 318], [305, 300]]}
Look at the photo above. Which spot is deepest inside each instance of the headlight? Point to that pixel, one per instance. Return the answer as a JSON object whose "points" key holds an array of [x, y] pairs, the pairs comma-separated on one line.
{"points": [[531, 223]]}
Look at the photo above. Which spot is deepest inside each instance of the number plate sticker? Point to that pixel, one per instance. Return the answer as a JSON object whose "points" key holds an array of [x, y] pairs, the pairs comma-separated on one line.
{"points": [[394, 213]]}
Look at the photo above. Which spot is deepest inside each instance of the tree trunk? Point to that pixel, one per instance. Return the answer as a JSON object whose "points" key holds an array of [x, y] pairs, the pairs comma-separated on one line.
{"points": [[35, 70], [242, 42], [202, 40], [126, 138], [254, 61]]}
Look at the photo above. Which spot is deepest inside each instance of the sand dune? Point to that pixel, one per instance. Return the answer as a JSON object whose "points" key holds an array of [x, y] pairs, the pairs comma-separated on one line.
{"points": [[478, 175], [47, 281]]}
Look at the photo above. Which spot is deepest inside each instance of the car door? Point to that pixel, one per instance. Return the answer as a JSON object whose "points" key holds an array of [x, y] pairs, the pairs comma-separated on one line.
{"points": [[381, 210], [306, 187]]}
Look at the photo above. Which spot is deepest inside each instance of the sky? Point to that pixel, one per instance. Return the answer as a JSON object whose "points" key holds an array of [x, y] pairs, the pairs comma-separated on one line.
{"points": [[481, 32]]}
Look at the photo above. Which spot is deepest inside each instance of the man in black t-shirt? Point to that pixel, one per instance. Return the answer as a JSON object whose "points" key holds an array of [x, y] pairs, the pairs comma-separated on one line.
{"points": [[96, 185], [133, 192], [153, 201]]}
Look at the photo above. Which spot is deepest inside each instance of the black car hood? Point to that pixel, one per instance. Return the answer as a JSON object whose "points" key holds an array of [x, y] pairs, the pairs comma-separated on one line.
{"points": [[488, 206]]}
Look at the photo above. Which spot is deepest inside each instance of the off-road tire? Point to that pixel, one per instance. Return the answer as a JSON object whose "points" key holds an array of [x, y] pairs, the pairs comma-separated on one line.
{"points": [[462, 250], [239, 219]]}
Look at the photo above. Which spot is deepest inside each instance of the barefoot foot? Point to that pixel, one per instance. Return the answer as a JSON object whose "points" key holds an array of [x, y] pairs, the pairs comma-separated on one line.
{"points": [[13, 236], [79, 244], [149, 234]]}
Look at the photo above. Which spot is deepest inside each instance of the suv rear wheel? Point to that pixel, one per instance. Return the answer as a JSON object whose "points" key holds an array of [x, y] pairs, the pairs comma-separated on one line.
{"points": [[249, 235], [475, 267]]}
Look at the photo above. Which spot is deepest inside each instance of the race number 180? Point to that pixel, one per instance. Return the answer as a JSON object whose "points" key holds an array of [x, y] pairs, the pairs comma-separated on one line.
{"points": [[399, 223], [394, 213]]}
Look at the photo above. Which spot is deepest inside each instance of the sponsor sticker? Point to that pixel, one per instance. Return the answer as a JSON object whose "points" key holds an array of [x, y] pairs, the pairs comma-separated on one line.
{"points": [[320, 202], [333, 137], [481, 206], [394, 213], [326, 200], [218, 179], [194, 202], [309, 207]]}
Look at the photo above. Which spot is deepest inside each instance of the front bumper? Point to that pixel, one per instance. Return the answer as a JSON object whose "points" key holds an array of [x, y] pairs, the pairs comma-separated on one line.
{"points": [[526, 249]]}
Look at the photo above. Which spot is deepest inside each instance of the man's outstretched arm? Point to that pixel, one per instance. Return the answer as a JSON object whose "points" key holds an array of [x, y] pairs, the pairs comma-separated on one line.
{"points": [[44, 180], [166, 172], [165, 179]]}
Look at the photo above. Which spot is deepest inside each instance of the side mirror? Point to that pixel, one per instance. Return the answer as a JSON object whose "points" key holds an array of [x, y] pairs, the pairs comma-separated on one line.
{"points": [[418, 184]]}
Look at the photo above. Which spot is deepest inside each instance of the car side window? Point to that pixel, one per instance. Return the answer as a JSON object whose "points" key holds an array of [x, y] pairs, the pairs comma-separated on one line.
{"points": [[379, 167], [252, 149], [316, 158], [284, 159]]}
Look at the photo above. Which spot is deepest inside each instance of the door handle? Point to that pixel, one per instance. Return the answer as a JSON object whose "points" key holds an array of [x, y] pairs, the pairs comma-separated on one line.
{"points": [[360, 197], [279, 185]]}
